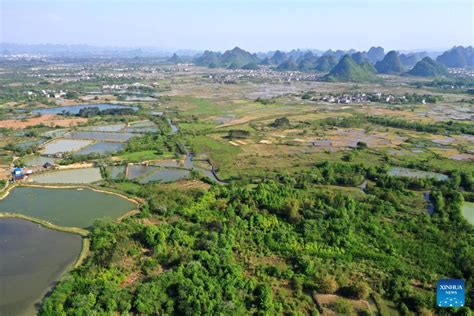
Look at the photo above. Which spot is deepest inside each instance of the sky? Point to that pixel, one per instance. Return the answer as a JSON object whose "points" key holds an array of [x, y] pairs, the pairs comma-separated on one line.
{"points": [[254, 25]]}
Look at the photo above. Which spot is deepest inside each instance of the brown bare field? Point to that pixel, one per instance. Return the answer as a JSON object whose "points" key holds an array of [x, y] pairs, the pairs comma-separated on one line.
{"points": [[4, 173], [49, 120], [325, 300]]}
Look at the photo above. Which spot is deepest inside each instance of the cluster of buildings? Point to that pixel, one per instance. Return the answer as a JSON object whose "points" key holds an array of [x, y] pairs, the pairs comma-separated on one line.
{"points": [[19, 174], [126, 86], [48, 93], [463, 72], [235, 75], [364, 98]]}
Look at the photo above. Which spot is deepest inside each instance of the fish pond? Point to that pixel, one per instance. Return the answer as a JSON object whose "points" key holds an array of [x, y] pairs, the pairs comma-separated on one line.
{"points": [[101, 136], [417, 174], [33, 258], [116, 172], [165, 175], [74, 109], [75, 176], [75, 207], [38, 160], [100, 148], [105, 128], [64, 145]]}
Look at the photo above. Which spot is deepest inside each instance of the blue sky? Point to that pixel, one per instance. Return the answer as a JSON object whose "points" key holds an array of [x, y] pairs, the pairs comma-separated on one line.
{"points": [[251, 24]]}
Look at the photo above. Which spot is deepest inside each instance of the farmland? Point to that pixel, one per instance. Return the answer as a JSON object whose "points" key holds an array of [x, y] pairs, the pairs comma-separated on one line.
{"points": [[261, 194]]}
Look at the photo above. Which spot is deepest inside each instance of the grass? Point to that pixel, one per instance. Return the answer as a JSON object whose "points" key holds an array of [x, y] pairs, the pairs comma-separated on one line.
{"points": [[221, 153], [140, 156]]}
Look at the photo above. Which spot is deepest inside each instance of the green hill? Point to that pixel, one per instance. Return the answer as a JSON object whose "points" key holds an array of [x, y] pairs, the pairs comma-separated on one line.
{"points": [[390, 64], [232, 59], [457, 57], [208, 58], [360, 57], [175, 59], [278, 58], [375, 54], [288, 65], [428, 67], [325, 63], [347, 70], [307, 62], [238, 57]]}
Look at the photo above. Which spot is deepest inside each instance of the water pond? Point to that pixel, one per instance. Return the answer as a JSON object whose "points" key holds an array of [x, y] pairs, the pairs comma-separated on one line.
{"points": [[55, 133], [418, 174], [116, 172], [74, 176], [33, 258], [76, 207], [100, 148], [144, 129], [101, 136], [165, 175], [64, 145], [38, 160], [468, 211], [74, 109], [105, 128], [31, 143]]}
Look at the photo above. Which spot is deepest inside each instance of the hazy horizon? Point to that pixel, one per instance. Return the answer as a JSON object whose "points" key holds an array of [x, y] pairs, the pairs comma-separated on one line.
{"points": [[254, 26]]}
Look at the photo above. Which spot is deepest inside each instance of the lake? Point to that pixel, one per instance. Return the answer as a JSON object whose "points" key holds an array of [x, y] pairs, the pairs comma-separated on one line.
{"points": [[33, 258], [100, 148], [64, 145], [418, 174], [101, 136], [468, 211], [74, 176], [75, 207], [74, 109]]}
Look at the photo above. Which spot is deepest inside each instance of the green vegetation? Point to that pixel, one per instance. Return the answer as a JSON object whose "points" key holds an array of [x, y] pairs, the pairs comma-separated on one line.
{"points": [[232, 250]]}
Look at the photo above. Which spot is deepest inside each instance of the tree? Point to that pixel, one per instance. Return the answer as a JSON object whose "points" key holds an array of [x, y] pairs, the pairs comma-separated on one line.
{"points": [[327, 285]]}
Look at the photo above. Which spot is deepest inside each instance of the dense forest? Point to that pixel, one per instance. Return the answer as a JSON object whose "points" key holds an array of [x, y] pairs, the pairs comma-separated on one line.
{"points": [[267, 247]]}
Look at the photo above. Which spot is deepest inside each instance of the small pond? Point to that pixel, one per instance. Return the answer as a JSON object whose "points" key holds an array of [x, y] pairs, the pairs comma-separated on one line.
{"points": [[101, 136], [38, 160], [74, 176], [165, 175], [105, 128], [64, 145], [116, 172], [100, 148], [418, 174]]}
